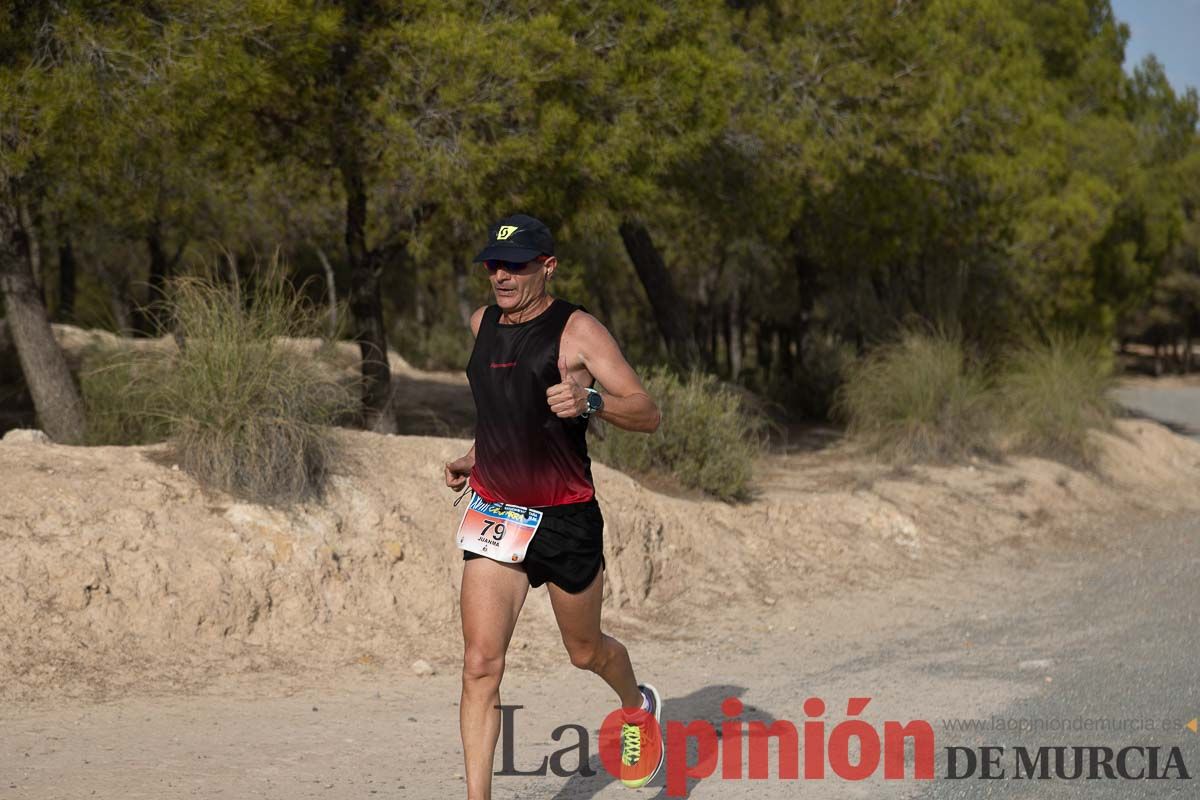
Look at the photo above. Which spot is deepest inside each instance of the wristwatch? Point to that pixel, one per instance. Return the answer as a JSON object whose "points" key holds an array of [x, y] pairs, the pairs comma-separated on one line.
{"points": [[595, 403]]}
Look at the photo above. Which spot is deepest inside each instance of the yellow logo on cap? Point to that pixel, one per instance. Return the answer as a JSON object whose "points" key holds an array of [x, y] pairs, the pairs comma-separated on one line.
{"points": [[505, 232]]}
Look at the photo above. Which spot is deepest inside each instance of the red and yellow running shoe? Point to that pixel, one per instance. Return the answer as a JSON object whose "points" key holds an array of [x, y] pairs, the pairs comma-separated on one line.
{"points": [[642, 751]]}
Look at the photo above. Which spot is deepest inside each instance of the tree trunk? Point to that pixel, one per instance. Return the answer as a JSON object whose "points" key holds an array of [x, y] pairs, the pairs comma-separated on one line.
{"points": [[55, 396], [117, 283], [349, 150], [735, 334], [33, 246], [788, 363], [366, 304], [670, 312], [807, 273], [158, 281], [147, 319], [762, 348], [66, 280], [712, 344]]}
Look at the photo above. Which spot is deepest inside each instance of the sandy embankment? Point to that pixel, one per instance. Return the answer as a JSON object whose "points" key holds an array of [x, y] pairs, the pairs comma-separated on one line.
{"points": [[118, 574]]}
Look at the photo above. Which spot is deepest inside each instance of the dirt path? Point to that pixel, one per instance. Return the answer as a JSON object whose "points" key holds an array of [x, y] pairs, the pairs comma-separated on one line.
{"points": [[1021, 628]]}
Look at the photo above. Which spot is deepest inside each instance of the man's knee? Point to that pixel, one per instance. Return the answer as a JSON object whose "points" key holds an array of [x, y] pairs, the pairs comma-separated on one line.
{"points": [[480, 664], [589, 655]]}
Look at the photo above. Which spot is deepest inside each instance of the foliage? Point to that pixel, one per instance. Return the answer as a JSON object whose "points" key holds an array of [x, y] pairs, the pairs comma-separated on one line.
{"points": [[1052, 393], [814, 174], [1172, 314], [918, 399], [708, 438]]}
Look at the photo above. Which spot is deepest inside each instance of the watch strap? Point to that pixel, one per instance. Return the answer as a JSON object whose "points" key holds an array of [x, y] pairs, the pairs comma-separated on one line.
{"points": [[587, 412]]}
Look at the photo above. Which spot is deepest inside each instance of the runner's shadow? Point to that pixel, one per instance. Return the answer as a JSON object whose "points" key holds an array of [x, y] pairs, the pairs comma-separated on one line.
{"points": [[704, 704]]}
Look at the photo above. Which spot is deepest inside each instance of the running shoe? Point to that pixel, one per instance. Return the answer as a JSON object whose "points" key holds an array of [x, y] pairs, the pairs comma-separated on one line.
{"points": [[642, 751]]}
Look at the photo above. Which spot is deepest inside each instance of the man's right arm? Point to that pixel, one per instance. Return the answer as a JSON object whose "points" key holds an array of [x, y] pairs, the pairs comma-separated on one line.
{"points": [[458, 470]]}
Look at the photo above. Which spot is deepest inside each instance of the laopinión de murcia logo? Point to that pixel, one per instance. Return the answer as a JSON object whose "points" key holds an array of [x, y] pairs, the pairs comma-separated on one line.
{"points": [[818, 750]]}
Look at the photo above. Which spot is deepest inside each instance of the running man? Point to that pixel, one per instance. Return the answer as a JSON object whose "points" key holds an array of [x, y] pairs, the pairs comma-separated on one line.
{"points": [[535, 360]]}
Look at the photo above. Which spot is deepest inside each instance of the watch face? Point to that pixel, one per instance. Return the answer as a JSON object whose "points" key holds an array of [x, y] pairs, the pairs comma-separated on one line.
{"points": [[594, 401]]}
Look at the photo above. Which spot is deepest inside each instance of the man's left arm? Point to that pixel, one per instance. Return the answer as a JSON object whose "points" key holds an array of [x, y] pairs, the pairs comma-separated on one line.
{"points": [[587, 345]]}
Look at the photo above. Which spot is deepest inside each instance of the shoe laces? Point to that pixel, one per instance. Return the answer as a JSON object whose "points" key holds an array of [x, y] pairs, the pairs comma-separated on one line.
{"points": [[631, 743]]}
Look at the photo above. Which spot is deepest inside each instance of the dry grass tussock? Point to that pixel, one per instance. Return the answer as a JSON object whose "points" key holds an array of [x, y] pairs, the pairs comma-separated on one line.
{"points": [[243, 412], [924, 398]]}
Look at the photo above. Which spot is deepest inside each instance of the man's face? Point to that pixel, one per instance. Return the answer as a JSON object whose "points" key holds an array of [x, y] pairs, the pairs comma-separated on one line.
{"points": [[517, 285]]}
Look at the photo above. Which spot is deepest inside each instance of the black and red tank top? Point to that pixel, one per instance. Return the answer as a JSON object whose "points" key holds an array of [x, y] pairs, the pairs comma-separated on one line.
{"points": [[524, 454]]}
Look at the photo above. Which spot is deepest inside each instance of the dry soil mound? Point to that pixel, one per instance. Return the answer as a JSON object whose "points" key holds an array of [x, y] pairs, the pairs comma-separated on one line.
{"points": [[117, 572]]}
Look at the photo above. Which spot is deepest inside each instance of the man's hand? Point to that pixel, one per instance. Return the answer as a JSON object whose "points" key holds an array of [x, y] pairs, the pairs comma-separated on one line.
{"points": [[458, 470], [567, 399]]}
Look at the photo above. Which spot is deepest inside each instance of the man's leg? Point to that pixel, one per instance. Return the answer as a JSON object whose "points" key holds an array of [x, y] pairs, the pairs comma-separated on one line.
{"points": [[578, 618], [492, 596]]}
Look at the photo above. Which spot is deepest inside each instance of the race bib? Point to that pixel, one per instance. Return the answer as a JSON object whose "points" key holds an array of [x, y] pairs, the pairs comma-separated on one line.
{"points": [[497, 530]]}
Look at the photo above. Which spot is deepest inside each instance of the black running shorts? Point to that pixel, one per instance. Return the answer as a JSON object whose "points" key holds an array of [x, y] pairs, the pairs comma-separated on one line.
{"points": [[568, 548]]}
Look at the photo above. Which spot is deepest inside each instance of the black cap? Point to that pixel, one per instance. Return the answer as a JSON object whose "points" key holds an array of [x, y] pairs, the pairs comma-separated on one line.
{"points": [[518, 238]]}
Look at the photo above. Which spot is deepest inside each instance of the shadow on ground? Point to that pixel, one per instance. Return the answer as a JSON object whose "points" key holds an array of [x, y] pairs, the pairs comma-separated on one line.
{"points": [[704, 704]]}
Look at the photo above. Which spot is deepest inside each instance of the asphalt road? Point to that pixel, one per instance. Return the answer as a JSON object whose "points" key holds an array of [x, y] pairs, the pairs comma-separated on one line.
{"points": [[1123, 644], [1177, 407]]}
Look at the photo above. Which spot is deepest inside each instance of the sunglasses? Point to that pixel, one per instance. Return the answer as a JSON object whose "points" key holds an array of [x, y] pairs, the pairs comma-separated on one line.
{"points": [[512, 266]]}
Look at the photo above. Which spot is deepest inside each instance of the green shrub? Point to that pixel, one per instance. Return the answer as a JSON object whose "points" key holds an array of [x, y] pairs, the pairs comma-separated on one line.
{"points": [[248, 414], [1052, 392], [708, 438], [918, 399]]}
